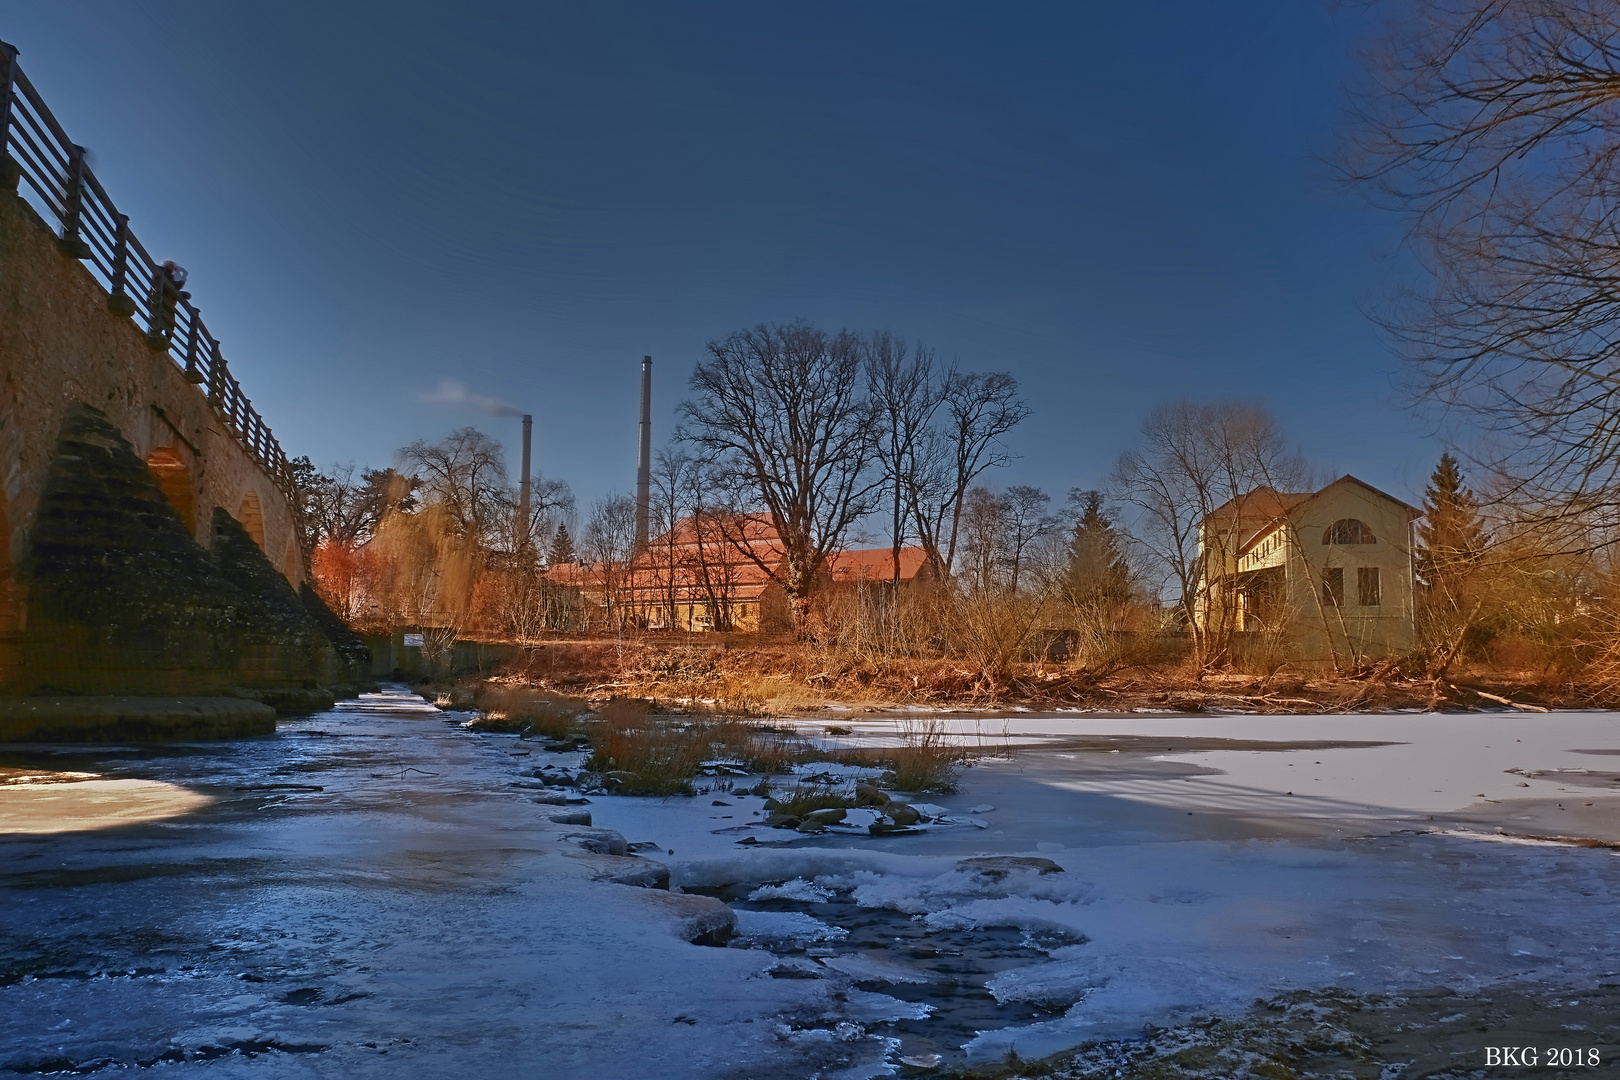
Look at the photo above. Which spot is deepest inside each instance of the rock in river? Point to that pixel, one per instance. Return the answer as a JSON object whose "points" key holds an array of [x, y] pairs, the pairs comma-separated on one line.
{"points": [[571, 817]]}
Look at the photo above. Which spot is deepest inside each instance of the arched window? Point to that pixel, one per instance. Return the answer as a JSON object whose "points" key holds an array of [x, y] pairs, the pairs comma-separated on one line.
{"points": [[1348, 531]]}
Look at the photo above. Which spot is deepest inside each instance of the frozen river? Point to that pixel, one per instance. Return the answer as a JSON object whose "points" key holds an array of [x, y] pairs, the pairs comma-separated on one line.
{"points": [[367, 892]]}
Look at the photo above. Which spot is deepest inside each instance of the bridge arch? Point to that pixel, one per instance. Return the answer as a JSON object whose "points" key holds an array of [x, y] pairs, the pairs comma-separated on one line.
{"points": [[250, 515], [173, 476]]}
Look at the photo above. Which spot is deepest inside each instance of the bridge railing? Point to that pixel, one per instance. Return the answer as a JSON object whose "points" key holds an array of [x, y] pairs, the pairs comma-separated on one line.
{"points": [[138, 286]]}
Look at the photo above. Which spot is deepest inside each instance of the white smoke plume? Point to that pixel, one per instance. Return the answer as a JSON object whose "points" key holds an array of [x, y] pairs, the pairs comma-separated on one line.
{"points": [[455, 392]]}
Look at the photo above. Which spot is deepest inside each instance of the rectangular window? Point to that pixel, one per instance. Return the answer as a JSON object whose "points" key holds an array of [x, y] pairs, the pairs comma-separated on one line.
{"points": [[1333, 587], [1367, 585]]}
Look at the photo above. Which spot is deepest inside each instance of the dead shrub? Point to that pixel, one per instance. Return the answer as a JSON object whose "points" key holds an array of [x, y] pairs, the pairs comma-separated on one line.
{"points": [[1261, 652], [660, 755]]}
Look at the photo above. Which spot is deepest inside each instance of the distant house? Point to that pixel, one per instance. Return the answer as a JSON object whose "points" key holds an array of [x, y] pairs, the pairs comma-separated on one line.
{"points": [[1329, 573], [707, 574]]}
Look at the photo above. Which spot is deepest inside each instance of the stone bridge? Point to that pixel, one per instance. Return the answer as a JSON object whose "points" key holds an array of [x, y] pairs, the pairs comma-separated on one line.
{"points": [[151, 546]]}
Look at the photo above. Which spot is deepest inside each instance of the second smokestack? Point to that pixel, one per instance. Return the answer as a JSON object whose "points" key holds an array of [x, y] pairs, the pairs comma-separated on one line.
{"points": [[523, 537], [644, 457]]}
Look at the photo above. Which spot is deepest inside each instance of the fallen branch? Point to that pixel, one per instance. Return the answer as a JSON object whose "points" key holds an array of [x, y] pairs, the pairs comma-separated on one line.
{"points": [[1269, 700], [1506, 701]]}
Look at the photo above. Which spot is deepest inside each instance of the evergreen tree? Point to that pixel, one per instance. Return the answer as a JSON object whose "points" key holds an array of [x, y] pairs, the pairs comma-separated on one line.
{"points": [[1451, 536], [562, 548], [1098, 573]]}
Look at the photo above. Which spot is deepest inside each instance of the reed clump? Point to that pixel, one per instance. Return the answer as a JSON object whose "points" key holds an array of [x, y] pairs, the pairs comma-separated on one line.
{"points": [[636, 754], [808, 798], [927, 760]]}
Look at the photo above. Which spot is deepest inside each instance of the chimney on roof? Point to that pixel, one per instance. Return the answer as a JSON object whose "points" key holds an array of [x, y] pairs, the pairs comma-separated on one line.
{"points": [[523, 537], [644, 456]]}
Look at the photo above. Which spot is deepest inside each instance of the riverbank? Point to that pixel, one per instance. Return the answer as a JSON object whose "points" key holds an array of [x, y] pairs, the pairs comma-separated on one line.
{"points": [[751, 675]]}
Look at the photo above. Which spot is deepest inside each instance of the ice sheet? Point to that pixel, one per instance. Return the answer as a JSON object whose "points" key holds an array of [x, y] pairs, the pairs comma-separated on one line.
{"points": [[1206, 878]]}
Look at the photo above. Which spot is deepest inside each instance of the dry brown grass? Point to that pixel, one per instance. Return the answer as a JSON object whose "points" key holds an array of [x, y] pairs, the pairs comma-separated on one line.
{"points": [[526, 711], [659, 755], [649, 757]]}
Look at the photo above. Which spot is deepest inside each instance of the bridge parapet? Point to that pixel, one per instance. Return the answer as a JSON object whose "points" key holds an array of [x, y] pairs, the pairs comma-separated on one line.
{"points": [[62, 186]]}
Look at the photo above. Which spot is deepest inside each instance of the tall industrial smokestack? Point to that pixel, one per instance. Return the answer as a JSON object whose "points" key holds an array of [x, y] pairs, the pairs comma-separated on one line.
{"points": [[523, 537], [644, 456]]}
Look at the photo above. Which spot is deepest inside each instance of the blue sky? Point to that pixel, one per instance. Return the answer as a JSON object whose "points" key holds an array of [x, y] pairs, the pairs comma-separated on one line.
{"points": [[1118, 203]]}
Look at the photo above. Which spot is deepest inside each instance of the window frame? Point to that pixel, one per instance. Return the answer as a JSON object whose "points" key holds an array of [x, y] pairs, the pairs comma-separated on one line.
{"points": [[1333, 587], [1348, 532], [1365, 576]]}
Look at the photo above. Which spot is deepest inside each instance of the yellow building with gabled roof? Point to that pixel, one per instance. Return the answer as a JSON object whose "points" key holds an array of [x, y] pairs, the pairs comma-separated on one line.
{"points": [[1327, 574]]}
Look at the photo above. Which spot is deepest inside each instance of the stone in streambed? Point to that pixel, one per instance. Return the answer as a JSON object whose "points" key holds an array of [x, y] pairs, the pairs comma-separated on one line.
{"points": [[884, 828], [570, 817], [867, 795], [902, 815], [626, 870]]}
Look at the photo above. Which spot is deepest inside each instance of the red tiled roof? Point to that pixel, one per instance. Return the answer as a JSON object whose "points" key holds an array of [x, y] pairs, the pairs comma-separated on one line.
{"points": [[876, 564], [723, 555]]}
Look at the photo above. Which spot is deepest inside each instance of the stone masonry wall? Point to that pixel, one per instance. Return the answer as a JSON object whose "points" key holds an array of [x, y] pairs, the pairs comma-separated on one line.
{"points": [[61, 347]]}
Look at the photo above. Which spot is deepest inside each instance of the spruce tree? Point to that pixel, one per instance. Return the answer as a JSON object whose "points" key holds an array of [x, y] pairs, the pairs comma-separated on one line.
{"points": [[1451, 536], [1098, 573], [562, 548]]}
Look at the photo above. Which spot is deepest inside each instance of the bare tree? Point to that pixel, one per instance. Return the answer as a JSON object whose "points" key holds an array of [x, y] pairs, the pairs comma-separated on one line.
{"points": [[551, 506], [984, 538], [334, 507], [979, 409], [1026, 523], [781, 408], [1199, 481], [901, 385], [1494, 125], [609, 542], [672, 476]]}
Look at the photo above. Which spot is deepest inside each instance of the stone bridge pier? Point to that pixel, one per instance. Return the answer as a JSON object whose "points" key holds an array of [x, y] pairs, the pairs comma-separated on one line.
{"points": [[146, 550]]}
